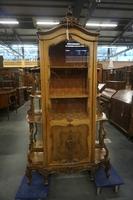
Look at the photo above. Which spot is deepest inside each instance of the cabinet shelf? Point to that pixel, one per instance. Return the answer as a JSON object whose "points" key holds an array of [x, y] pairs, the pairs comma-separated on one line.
{"points": [[68, 96], [68, 83], [69, 67], [59, 116]]}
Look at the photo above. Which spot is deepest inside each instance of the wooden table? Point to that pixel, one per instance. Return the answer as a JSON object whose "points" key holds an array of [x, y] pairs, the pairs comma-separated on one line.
{"points": [[7, 98]]}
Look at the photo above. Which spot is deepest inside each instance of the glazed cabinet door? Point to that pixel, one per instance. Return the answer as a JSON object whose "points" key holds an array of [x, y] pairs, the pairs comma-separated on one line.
{"points": [[69, 81]]}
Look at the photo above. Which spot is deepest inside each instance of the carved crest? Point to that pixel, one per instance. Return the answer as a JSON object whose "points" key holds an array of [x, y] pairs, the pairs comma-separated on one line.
{"points": [[69, 19]]}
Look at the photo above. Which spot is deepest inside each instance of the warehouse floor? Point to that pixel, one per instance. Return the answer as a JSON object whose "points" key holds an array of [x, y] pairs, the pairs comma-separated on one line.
{"points": [[13, 149]]}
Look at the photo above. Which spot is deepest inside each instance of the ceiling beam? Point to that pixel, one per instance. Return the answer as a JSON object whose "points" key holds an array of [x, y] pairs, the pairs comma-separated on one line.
{"points": [[76, 4], [27, 41], [16, 35], [117, 3], [115, 8], [20, 35], [126, 27], [32, 5], [5, 42], [31, 1], [92, 5], [120, 52], [103, 42], [8, 46], [38, 15], [77, 8], [60, 16]]}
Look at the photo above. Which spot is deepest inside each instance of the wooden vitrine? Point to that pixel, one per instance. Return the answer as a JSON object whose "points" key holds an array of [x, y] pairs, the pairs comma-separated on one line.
{"points": [[68, 99]]}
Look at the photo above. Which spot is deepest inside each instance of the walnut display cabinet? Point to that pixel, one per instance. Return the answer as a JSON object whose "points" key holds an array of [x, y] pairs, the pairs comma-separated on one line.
{"points": [[68, 99]]}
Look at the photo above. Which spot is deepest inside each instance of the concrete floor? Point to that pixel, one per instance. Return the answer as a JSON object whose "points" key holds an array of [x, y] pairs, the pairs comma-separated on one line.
{"points": [[13, 149]]}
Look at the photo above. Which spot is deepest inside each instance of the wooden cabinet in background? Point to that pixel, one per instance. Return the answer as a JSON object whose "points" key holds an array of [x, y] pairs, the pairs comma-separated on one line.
{"points": [[11, 77], [99, 73], [115, 74], [116, 85], [1, 61], [8, 99], [121, 110], [22, 95], [119, 74]]}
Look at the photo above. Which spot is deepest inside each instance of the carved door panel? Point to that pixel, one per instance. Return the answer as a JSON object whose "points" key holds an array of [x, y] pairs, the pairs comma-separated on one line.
{"points": [[69, 144]]}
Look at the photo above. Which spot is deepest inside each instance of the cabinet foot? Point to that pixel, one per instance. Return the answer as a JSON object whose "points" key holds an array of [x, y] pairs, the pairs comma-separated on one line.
{"points": [[116, 189], [99, 190], [46, 179], [29, 175], [92, 172]]}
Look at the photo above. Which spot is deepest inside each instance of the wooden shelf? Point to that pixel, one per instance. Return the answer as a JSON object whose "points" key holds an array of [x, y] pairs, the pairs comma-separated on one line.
{"points": [[68, 67], [59, 116], [68, 96]]}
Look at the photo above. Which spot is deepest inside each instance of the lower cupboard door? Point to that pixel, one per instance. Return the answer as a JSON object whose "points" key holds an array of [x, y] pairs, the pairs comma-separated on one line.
{"points": [[69, 144]]}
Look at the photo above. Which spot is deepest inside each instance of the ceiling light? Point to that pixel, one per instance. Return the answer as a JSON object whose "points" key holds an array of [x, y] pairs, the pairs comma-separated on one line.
{"points": [[9, 22], [101, 24], [47, 23]]}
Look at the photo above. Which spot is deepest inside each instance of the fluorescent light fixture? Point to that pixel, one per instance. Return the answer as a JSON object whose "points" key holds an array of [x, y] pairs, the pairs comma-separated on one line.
{"points": [[9, 22], [101, 24], [47, 23]]}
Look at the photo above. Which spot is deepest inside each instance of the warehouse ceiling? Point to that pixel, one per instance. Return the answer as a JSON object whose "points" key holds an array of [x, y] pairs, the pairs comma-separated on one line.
{"points": [[101, 11]]}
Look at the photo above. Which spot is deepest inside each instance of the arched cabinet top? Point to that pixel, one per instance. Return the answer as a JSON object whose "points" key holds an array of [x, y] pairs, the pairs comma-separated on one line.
{"points": [[73, 29]]}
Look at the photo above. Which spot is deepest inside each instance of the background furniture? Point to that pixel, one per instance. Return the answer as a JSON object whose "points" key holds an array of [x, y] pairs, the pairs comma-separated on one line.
{"points": [[121, 110], [116, 85], [105, 99], [13, 78], [119, 74], [8, 98]]}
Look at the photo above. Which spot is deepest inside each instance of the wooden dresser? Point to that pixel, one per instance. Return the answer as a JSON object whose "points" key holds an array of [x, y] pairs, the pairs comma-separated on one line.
{"points": [[121, 112], [116, 85]]}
